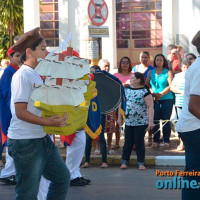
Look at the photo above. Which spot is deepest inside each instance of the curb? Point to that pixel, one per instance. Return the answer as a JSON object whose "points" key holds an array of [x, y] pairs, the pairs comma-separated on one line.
{"points": [[115, 160], [111, 160], [170, 161]]}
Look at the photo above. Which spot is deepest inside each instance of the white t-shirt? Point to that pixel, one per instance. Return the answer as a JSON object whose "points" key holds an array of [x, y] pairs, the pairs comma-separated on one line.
{"points": [[22, 86], [187, 121], [179, 80]]}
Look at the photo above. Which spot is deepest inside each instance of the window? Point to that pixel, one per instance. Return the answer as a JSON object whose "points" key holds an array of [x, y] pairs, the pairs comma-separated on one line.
{"points": [[140, 20], [49, 23]]}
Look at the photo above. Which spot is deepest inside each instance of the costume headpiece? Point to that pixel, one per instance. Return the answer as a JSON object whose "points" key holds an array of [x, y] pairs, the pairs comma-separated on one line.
{"points": [[196, 40], [27, 40]]}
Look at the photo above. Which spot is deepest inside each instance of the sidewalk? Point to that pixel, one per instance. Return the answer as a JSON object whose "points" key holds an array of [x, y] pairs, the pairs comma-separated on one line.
{"points": [[154, 156]]}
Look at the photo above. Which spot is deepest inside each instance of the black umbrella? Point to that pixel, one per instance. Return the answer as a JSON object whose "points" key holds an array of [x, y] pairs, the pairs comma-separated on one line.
{"points": [[109, 91]]}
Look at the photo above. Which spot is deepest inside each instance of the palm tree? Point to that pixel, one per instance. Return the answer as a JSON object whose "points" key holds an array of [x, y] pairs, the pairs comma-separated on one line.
{"points": [[11, 23]]}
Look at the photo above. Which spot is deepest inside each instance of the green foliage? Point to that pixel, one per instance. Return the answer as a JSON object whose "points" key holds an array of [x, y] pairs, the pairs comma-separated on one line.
{"points": [[4, 45], [11, 23]]}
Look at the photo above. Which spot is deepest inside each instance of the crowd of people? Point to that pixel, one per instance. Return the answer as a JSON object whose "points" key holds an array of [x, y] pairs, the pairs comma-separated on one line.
{"points": [[163, 83], [151, 91], [164, 80]]}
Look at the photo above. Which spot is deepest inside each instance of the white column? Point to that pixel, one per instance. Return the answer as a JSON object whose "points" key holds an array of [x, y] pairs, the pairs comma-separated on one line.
{"points": [[69, 21], [109, 48], [167, 24], [83, 28], [180, 23], [182, 26], [189, 24], [31, 14], [63, 20], [74, 23]]}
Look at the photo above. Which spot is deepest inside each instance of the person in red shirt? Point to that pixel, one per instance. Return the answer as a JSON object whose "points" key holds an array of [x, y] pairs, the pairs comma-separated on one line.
{"points": [[174, 58]]}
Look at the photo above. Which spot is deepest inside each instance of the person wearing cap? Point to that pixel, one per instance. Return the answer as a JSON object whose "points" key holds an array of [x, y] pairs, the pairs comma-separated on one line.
{"points": [[8, 172], [32, 150], [188, 125], [75, 151], [75, 148]]}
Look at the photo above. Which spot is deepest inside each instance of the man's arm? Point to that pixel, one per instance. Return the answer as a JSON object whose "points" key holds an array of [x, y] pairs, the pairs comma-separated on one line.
{"points": [[194, 105], [149, 103], [175, 89]]}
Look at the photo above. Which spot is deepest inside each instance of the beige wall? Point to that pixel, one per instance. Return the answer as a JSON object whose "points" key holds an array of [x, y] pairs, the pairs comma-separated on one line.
{"points": [[109, 48], [180, 23]]}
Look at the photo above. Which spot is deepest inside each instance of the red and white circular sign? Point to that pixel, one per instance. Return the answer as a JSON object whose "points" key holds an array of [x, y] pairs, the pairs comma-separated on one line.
{"points": [[98, 12]]}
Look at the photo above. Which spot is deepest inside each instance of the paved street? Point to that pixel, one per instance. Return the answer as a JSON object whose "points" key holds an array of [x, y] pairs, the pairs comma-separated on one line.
{"points": [[113, 183]]}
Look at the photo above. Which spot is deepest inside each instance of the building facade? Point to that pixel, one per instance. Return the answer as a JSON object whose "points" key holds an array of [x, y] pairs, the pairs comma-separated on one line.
{"points": [[112, 29]]}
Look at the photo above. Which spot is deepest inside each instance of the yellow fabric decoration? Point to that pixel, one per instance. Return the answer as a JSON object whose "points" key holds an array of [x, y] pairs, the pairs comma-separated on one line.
{"points": [[91, 134], [91, 91], [123, 114]]}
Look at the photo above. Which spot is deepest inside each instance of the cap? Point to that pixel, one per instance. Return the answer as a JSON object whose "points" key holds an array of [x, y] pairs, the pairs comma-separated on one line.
{"points": [[10, 51], [27, 40], [196, 40]]}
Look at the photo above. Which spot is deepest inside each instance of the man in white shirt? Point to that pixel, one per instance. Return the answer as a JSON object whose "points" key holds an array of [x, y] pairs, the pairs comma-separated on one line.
{"points": [[188, 125]]}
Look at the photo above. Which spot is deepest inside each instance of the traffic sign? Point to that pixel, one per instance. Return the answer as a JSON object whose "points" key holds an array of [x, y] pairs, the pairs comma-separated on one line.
{"points": [[98, 12]]}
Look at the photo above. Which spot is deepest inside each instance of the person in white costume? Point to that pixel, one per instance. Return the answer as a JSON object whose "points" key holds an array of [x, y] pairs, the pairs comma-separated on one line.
{"points": [[7, 175], [74, 156]]}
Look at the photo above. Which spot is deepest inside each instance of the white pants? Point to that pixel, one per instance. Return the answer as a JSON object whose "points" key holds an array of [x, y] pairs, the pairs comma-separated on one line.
{"points": [[43, 189], [9, 168], [74, 154]]}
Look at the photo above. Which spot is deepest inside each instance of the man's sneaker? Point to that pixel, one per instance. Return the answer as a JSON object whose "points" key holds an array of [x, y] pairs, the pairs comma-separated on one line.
{"points": [[9, 180], [87, 181], [77, 182]]}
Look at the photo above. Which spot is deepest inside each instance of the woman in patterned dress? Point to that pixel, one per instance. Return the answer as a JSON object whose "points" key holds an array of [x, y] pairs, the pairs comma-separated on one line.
{"points": [[139, 119]]}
